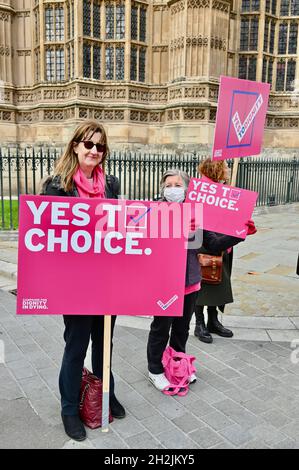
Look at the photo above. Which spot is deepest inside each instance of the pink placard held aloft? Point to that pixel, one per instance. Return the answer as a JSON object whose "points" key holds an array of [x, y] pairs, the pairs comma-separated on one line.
{"points": [[100, 257], [240, 119], [226, 209]]}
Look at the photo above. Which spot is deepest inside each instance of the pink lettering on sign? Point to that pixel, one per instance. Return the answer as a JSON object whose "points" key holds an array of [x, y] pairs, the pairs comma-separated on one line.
{"points": [[240, 120], [97, 257], [225, 209]]}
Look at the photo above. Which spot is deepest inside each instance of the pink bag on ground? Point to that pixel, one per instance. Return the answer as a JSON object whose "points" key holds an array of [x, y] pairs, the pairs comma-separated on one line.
{"points": [[178, 368]]}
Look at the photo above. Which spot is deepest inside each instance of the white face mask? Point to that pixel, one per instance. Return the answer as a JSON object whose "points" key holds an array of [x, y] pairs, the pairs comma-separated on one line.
{"points": [[174, 194]]}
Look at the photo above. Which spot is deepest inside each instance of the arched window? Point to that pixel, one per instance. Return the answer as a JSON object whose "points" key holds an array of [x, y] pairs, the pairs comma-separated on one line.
{"points": [[293, 38], [282, 42]]}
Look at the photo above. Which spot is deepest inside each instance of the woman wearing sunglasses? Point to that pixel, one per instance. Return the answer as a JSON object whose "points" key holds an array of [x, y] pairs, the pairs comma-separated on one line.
{"points": [[80, 172]]}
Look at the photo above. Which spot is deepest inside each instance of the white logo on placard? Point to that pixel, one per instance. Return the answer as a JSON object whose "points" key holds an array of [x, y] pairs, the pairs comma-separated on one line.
{"points": [[242, 128], [167, 304], [34, 304]]}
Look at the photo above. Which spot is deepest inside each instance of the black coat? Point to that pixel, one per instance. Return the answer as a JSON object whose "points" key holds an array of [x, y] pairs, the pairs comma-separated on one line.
{"points": [[220, 294], [52, 187]]}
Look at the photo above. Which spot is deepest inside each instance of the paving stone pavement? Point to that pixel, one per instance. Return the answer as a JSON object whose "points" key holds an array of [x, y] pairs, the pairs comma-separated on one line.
{"points": [[246, 395]]}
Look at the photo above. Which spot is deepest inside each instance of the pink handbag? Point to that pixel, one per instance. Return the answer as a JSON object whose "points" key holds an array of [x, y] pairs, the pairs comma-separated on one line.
{"points": [[178, 368]]}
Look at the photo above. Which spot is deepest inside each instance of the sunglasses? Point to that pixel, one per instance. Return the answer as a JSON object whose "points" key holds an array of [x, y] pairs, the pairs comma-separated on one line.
{"points": [[88, 144]]}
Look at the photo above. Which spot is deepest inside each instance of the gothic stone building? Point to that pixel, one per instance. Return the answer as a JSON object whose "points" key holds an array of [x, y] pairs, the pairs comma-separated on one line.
{"points": [[148, 69]]}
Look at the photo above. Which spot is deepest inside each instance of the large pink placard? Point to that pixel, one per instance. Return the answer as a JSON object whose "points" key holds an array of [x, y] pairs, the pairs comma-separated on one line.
{"points": [[226, 209], [240, 119], [95, 257]]}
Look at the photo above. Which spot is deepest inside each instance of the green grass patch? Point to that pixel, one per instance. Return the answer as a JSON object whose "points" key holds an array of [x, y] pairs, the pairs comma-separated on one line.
{"points": [[10, 209]]}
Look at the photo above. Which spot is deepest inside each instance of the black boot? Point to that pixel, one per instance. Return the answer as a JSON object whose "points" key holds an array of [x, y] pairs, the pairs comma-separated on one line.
{"points": [[117, 410], [214, 325], [200, 328], [74, 427]]}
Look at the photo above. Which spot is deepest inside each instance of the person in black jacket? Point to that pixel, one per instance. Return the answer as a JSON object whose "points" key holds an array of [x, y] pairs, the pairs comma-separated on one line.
{"points": [[174, 184], [80, 172]]}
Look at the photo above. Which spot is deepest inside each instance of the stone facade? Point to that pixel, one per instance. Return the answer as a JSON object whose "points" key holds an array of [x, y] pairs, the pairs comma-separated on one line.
{"points": [[149, 70]]}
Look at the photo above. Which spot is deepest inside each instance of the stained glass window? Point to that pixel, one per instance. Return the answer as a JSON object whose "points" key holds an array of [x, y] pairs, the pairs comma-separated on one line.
{"points": [[86, 18], [291, 70], [293, 38], [142, 25], [96, 62], [134, 25], [109, 21], [142, 65], [49, 24], [86, 60], [282, 41], [109, 53], [96, 20]]}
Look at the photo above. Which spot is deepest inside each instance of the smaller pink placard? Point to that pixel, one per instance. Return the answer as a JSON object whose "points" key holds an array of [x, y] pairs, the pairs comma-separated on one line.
{"points": [[226, 209], [240, 119]]}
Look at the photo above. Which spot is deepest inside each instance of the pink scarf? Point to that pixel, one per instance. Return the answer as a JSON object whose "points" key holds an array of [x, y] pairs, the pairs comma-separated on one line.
{"points": [[85, 189]]}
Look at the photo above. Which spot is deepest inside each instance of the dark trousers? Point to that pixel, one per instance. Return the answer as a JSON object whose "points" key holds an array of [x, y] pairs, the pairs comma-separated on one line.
{"points": [[159, 334], [78, 331]]}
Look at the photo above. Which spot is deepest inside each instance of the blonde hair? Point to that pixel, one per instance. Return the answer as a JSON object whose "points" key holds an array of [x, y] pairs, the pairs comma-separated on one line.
{"points": [[68, 163], [213, 169]]}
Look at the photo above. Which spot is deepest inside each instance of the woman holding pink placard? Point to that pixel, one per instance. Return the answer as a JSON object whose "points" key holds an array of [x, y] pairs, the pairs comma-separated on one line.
{"points": [[215, 296], [174, 184], [80, 172]]}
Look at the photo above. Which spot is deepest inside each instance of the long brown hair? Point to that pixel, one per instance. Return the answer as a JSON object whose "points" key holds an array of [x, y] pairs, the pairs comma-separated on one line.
{"points": [[213, 169], [68, 163]]}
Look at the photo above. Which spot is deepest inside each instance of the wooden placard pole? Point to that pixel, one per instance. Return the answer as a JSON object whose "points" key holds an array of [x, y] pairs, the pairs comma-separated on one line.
{"points": [[106, 373], [235, 172]]}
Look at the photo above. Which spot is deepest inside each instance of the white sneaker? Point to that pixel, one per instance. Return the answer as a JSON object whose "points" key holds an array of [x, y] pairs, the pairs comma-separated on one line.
{"points": [[193, 379], [159, 381]]}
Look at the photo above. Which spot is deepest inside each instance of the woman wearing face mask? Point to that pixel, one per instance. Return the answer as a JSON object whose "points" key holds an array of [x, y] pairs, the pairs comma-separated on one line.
{"points": [[174, 184], [215, 296]]}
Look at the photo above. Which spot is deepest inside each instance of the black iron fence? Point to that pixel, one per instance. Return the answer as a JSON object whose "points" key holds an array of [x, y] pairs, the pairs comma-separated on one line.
{"points": [[21, 171]]}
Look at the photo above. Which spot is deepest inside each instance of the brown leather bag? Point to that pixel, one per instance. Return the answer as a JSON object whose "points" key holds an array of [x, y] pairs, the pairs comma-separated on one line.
{"points": [[211, 268]]}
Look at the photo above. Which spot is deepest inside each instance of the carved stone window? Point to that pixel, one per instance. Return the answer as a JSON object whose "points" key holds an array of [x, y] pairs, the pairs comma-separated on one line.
{"points": [[37, 66], [291, 70], [280, 75], [55, 64], [96, 62], [247, 67], [96, 20], [266, 35], [142, 24], [282, 41], [142, 55], [274, 5], [293, 38], [119, 63], [115, 21], [86, 18], [37, 34], [249, 34], [270, 71], [264, 74], [250, 5], [115, 62], [133, 65], [272, 37], [109, 53], [267, 70], [54, 29], [289, 8], [86, 60], [134, 23]]}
